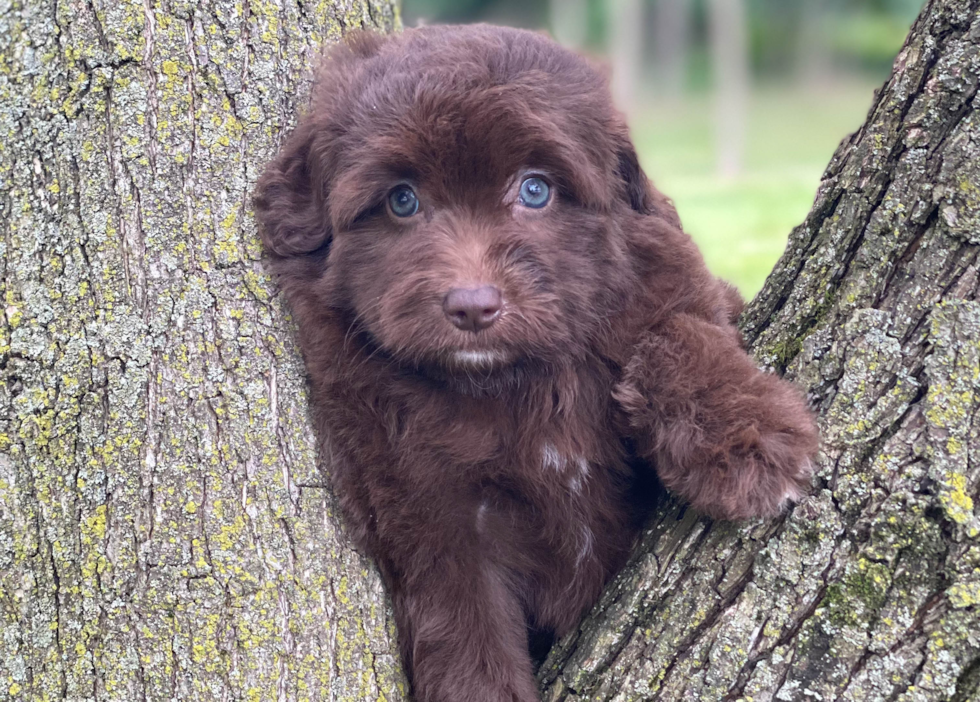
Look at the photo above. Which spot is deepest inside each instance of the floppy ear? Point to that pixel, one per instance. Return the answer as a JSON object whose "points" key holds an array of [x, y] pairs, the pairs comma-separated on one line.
{"points": [[634, 180], [639, 191], [364, 43], [289, 201]]}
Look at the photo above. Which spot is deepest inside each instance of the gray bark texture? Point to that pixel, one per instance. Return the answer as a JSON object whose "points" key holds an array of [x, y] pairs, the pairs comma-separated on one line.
{"points": [[870, 589], [165, 532]]}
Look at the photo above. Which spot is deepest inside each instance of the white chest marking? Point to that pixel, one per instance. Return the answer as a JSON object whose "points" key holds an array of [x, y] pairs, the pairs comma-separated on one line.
{"points": [[588, 541], [583, 473], [551, 459]]}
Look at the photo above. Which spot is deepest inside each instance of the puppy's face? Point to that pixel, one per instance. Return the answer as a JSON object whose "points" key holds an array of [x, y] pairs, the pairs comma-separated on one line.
{"points": [[468, 274], [460, 194]]}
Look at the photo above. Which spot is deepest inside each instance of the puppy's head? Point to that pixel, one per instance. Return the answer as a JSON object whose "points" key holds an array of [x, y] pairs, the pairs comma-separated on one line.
{"points": [[460, 195]]}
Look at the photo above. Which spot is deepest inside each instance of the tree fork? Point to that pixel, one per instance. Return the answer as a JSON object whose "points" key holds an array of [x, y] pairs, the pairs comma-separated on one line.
{"points": [[870, 589], [164, 530]]}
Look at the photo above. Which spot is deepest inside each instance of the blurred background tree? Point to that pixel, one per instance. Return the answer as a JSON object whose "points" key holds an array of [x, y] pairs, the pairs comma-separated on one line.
{"points": [[736, 105]]}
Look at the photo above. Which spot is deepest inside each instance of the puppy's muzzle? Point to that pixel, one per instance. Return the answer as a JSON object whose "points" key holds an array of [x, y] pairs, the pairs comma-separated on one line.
{"points": [[473, 309]]}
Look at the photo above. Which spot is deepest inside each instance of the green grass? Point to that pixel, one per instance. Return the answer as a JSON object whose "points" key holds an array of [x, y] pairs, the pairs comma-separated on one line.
{"points": [[741, 224]]}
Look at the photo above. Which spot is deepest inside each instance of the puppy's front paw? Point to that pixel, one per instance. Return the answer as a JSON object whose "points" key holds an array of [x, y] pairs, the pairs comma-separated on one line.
{"points": [[795, 492], [733, 441], [759, 475], [754, 464]]}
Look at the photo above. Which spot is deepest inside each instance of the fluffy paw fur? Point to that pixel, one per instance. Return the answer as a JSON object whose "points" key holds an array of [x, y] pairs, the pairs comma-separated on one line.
{"points": [[733, 441]]}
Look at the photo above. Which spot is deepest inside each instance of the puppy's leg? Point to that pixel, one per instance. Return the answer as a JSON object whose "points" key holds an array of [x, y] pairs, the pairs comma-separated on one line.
{"points": [[733, 441], [468, 634]]}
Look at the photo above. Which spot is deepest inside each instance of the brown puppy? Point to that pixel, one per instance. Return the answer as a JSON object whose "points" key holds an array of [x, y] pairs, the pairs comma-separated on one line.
{"points": [[506, 332]]}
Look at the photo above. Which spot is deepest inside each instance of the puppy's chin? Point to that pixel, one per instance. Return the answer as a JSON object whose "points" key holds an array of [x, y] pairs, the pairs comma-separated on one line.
{"points": [[478, 360]]}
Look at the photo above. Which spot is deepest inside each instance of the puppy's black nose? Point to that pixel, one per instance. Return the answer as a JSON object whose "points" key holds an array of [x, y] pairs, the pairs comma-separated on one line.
{"points": [[473, 309]]}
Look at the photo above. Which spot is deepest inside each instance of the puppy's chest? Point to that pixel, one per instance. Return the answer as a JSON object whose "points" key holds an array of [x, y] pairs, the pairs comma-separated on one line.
{"points": [[496, 443], [563, 460]]}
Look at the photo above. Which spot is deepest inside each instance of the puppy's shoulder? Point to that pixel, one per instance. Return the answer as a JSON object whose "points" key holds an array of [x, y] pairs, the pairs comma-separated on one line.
{"points": [[673, 277]]}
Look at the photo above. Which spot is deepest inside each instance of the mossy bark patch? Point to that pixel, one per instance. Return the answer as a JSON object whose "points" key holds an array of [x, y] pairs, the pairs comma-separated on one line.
{"points": [[868, 589], [165, 532]]}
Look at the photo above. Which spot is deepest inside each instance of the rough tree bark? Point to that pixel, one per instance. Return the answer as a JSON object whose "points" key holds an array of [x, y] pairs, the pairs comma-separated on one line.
{"points": [[165, 534], [870, 589], [163, 529]]}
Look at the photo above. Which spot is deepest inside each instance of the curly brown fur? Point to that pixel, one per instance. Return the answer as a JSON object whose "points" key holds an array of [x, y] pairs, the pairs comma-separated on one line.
{"points": [[499, 473]]}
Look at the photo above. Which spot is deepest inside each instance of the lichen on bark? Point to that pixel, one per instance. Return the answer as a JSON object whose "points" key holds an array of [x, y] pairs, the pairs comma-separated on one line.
{"points": [[165, 532], [869, 589], [164, 529]]}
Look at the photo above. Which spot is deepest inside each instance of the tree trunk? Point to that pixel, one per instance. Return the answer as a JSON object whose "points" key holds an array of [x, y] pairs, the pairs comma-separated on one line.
{"points": [[870, 589], [164, 531], [728, 34], [569, 20], [814, 59], [625, 44], [672, 20]]}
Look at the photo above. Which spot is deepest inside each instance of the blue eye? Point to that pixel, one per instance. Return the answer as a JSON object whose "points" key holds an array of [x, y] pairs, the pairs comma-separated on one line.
{"points": [[403, 201], [535, 193]]}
